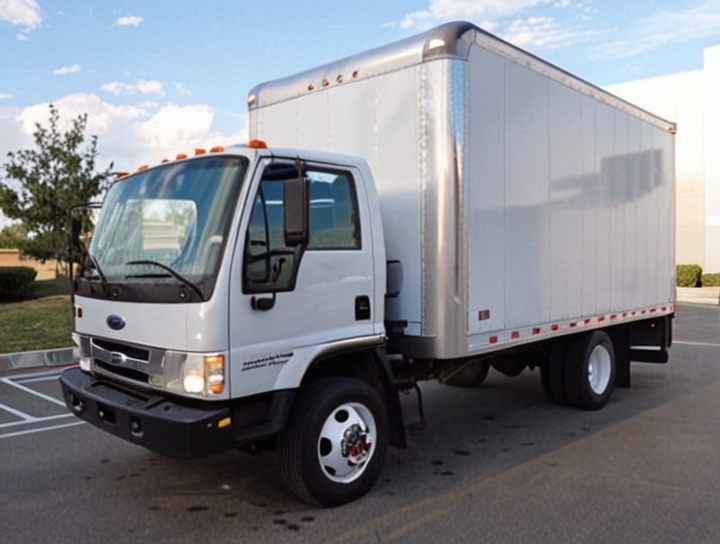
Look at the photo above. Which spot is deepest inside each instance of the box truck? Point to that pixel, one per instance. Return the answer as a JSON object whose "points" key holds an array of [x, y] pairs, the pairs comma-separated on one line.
{"points": [[426, 210]]}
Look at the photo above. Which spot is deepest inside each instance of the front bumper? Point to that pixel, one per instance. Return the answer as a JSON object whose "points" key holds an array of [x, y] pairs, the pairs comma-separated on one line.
{"points": [[156, 423]]}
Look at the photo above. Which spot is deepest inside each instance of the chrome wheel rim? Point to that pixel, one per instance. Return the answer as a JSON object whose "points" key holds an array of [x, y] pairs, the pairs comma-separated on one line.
{"points": [[347, 442], [599, 369]]}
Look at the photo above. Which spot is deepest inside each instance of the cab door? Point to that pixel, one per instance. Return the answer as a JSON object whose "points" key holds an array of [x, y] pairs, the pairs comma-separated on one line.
{"points": [[290, 299]]}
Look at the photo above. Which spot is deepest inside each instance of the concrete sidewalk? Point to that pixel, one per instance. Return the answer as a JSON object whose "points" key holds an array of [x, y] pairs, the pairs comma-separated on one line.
{"points": [[66, 356]]}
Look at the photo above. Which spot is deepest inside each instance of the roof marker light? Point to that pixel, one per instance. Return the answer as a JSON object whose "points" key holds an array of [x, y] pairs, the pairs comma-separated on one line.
{"points": [[143, 167], [199, 151], [119, 175], [257, 144], [217, 149], [180, 156]]}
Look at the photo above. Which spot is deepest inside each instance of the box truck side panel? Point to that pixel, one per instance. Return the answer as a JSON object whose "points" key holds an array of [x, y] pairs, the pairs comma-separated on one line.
{"points": [[566, 169], [375, 118], [568, 200]]}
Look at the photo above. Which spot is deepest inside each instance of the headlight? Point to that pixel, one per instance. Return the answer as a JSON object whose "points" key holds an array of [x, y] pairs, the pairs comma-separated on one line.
{"points": [[195, 374]]}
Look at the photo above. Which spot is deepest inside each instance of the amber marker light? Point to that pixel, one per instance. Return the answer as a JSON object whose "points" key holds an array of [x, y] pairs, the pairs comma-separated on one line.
{"points": [[215, 373], [257, 144]]}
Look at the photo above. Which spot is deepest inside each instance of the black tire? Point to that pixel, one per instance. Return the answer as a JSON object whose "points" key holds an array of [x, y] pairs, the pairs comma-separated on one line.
{"points": [[334, 420], [552, 374], [471, 375], [590, 371]]}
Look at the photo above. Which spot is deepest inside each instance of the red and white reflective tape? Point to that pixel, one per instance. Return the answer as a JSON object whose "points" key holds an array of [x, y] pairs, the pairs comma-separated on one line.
{"points": [[525, 335]]}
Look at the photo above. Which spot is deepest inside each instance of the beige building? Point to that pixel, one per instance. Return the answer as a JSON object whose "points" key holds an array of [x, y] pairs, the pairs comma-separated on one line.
{"points": [[692, 100]]}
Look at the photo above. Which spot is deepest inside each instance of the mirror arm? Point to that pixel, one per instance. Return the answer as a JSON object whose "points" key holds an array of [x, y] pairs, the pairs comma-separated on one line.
{"points": [[263, 304]]}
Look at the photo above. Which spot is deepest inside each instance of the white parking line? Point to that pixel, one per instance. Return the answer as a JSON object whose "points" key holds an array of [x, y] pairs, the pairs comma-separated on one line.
{"points": [[33, 420], [43, 429], [12, 382], [17, 413], [39, 424], [703, 344]]}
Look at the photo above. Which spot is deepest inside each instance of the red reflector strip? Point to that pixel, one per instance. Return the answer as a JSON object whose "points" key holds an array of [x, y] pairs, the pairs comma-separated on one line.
{"points": [[613, 316], [493, 339], [601, 319], [587, 321], [536, 330], [555, 327], [573, 324], [515, 334]]}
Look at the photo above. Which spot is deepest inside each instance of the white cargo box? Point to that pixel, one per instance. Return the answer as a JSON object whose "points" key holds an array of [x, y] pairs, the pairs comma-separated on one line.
{"points": [[518, 202]]}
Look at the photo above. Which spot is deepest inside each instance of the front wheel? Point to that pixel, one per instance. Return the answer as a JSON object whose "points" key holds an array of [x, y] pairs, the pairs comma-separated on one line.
{"points": [[335, 442]]}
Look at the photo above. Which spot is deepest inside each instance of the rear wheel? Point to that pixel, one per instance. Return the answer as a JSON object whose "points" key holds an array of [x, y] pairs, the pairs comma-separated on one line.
{"points": [[590, 371], [334, 446], [552, 374]]}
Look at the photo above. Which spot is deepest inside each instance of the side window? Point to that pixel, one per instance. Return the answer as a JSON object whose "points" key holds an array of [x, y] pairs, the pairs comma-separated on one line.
{"points": [[268, 263], [334, 220]]}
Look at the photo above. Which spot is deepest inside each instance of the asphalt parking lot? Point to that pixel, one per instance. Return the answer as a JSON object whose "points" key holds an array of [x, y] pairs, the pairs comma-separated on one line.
{"points": [[497, 463]]}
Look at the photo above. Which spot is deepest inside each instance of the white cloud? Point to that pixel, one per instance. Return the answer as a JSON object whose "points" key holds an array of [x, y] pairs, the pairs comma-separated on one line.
{"points": [[22, 37], [24, 13], [142, 86], [5, 96], [72, 69], [667, 27], [179, 87], [542, 33], [128, 136], [131, 20], [448, 10]]}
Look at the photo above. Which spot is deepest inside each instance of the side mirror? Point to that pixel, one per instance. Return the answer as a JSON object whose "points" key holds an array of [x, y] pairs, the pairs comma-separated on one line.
{"points": [[296, 211]]}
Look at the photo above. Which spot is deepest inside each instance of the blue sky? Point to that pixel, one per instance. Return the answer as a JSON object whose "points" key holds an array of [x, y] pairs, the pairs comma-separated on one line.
{"points": [[161, 77]]}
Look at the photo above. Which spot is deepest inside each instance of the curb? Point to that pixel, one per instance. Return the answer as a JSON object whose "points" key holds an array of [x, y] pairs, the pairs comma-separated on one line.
{"points": [[38, 359], [698, 295]]}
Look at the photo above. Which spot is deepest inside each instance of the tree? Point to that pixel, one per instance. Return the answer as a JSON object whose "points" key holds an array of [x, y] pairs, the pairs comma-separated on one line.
{"points": [[13, 236], [41, 186]]}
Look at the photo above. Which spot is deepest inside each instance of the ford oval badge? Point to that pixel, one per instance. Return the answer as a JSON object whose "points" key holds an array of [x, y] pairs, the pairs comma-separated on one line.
{"points": [[115, 322]]}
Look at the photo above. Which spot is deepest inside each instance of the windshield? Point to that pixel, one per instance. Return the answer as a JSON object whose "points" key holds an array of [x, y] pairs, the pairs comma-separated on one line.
{"points": [[167, 226]]}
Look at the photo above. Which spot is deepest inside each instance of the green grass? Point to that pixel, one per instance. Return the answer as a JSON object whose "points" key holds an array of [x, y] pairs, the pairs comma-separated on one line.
{"points": [[44, 322]]}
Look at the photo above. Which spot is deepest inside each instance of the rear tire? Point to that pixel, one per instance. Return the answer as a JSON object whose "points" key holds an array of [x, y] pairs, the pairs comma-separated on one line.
{"points": [[335, 442], [590, 371], [552, 374]]}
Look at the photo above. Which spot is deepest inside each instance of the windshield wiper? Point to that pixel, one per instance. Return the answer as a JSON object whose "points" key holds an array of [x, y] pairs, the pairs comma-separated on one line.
{"points": [[174, 274], [94, 262]]}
